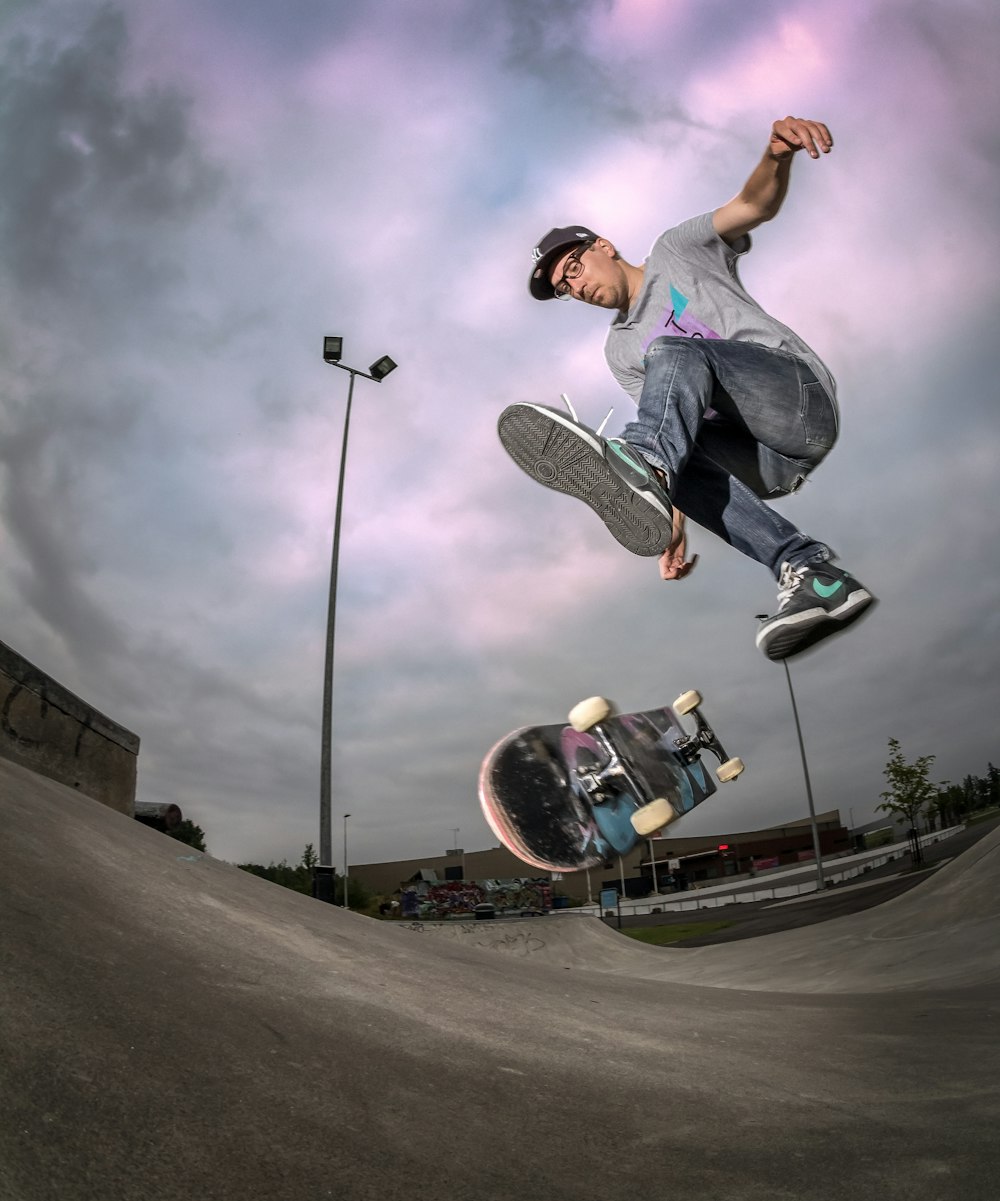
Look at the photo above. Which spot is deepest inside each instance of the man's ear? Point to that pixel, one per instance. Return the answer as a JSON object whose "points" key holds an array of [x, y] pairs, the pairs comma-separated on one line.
{"points": [[606, 247]]}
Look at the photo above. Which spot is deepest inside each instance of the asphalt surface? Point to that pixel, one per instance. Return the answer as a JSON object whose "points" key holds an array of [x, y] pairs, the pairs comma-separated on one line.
{"points": [[172, 1028]]}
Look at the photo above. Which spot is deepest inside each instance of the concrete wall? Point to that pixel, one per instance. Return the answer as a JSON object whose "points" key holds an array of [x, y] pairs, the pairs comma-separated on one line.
{"points": [[46, 728]]}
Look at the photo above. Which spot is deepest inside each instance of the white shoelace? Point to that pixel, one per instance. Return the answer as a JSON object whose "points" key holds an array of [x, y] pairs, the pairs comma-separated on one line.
{"points": [[789, 583]]}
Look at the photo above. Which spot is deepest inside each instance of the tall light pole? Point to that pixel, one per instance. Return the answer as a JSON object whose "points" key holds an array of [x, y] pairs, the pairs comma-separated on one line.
{"points": [[817, 854], [652, 860], [333, 348], [346, 905], [456, 830]]}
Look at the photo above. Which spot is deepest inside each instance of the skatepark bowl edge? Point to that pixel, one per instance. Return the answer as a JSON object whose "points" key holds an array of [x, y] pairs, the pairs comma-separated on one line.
{"points": [[175, 1028]]}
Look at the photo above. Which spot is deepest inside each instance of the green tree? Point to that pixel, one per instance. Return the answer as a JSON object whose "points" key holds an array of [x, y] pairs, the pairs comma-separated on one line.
{"points": [[992, 784], [187, 832], [298, 878], [910, 789], [949, 805], [975, 792], [358, 895]]}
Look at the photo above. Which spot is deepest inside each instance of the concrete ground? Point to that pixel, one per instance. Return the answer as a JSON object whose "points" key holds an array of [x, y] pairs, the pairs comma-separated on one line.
{"points": [[172, 1028]]}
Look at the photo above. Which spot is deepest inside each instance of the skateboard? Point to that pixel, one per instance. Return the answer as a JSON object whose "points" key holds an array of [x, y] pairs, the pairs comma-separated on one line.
{"points": [[570, 796]]}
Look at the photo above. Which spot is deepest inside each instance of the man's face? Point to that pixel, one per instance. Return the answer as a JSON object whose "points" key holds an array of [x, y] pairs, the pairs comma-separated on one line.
{"points": [[601, 280]]}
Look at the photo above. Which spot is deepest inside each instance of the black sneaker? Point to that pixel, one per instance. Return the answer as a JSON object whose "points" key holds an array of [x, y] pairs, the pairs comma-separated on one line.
{"points": [[607, 474], [813, 603]]}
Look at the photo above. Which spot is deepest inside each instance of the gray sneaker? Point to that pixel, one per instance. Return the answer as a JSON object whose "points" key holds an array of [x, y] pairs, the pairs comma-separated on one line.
{"points": [[813, 603], [607, 474]]}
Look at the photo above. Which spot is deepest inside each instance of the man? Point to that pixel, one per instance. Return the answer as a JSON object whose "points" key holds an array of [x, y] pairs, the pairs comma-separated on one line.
{"points": [[733, 407]]}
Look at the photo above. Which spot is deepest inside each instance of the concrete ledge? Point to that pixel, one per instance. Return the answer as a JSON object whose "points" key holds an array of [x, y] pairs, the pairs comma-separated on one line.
{"points": [[45, 727]]}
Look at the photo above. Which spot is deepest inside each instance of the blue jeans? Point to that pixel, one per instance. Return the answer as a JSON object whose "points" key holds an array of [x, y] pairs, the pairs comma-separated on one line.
{"points": [[733, 422]]}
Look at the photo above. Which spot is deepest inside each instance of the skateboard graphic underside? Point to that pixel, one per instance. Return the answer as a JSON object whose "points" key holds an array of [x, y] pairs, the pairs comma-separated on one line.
{"points": [[564, 798]]}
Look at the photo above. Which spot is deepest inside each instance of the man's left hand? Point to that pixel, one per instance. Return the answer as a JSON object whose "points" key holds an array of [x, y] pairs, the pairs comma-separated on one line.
{"points": [[797, 133], [674, 563]]}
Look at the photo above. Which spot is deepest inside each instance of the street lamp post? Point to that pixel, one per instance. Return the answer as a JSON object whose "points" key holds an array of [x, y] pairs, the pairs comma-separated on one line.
{"points": [[332, 350], [817, 854], [456, 830], [820, 885], [346, 904]]}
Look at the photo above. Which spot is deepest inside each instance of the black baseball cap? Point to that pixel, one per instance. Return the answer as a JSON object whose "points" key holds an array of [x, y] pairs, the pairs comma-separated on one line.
{"points": [[555, 243]]}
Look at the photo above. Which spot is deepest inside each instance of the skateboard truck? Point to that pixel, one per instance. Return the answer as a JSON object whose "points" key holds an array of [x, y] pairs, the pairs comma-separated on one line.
{"points": [[654, 812], [704, 738]]}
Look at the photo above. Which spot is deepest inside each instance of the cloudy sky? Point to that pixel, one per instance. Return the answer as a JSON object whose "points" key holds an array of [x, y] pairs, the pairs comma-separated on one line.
{"points": [[193, 194]]}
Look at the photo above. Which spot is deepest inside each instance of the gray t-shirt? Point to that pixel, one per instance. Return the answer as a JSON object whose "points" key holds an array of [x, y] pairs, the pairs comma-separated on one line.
{"points": [[692, 289]]}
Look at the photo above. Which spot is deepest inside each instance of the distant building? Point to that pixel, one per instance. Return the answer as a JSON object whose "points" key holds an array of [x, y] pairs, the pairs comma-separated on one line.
{"points": [[686, 861]]}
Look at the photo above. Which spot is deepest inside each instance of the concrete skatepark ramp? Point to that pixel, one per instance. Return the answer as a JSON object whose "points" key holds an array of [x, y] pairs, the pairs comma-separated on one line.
{"points": [[173, 1028], [946, 935]]}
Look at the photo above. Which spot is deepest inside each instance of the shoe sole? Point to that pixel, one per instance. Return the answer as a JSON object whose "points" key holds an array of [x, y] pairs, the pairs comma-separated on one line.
{"points": [[569, 458], [803, 630]]}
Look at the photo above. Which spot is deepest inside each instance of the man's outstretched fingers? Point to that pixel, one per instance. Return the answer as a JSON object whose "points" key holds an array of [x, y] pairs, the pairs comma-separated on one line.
{"points": [[799, 133]]}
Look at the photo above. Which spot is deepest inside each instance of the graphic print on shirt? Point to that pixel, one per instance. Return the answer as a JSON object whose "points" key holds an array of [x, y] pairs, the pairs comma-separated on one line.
{"points": [[676, 322]]}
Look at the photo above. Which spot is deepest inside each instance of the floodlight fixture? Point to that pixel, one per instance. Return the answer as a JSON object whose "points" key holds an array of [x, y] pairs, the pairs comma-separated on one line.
{"points": [[381, 367], [333, 349]]}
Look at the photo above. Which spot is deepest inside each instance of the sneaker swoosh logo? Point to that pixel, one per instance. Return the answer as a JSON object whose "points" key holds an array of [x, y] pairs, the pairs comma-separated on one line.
{"points": [[630, 459], [827, 590]]}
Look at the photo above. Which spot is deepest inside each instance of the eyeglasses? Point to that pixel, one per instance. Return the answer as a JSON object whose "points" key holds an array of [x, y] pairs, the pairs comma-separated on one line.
{"points": [[572, 270]]}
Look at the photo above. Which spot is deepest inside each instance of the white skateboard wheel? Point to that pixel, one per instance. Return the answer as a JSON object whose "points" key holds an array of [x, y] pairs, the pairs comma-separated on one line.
{"points": [[589, 712], [686, 702], [652, 817], [730, 769]]}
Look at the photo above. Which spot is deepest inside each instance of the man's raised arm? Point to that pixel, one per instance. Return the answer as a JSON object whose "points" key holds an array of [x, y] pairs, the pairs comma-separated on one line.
{"points": [[761, 196]]}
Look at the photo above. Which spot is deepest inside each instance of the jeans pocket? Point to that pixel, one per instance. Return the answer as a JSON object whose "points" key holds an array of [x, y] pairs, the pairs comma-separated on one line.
{"points": [[819, 416], [779, 475]]}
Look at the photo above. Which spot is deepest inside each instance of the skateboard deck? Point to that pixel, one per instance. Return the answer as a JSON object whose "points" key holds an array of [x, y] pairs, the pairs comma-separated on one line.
{"points": [[570, 796]]}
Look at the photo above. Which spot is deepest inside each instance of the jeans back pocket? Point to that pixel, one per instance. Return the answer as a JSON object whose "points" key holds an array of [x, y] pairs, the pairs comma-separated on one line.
{"points": [[818, 411]]}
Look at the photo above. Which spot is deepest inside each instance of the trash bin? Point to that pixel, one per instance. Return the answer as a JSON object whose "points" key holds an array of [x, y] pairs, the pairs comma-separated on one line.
{"points": [[323, 884], [482, 912]]}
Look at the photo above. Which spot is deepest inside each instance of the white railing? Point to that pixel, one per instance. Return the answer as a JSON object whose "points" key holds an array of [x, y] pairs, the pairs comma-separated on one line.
{"points": [[741, 891]]}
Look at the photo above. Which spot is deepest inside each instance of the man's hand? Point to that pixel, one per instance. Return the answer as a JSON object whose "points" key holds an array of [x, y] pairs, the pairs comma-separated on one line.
{"points": [[763, 193], [796, 133], [674, 563]]}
